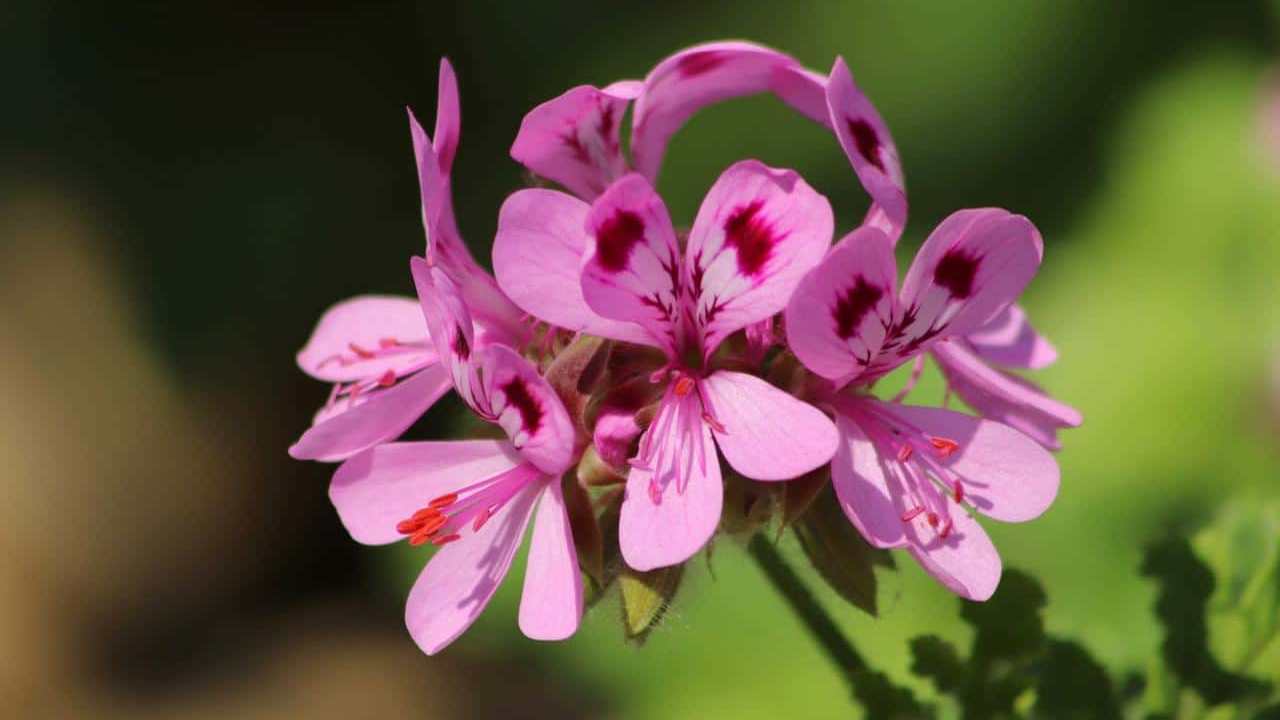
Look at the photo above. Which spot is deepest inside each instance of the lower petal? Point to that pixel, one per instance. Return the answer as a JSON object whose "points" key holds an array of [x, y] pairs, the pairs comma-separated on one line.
{"points": [[862, 484], [965, 560], [551, 606]]}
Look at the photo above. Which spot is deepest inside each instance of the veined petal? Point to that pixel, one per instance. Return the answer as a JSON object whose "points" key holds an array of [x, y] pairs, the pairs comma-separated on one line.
{"points": [[448, 118], [695, 77], [461, 578], [631, 269], [365, 337], [965, 561], [523, 403], [375, 490], [573, 139], [839, 315], [866, 141], [765, 433], [970, 268], [382, 416], [869, 493], [537, 255], [672, 508], [758, 232], [1008, 339], [452, 329], [551, 606], [1006, 475], [1003, 397]]}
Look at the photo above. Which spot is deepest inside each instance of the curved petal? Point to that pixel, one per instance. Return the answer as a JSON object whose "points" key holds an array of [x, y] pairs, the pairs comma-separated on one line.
{"points": [[704, 74], [765, 433], [965, 561], [461, 578], [865, 139], [365, 337], [1003, 397], [551, 606], [448, 118], [375, 490], [537, 255], [1008, 339], [970, 268], [1006, 475], [865, 485], [382, 416], [615, 433], [840, 312], [631, 269], [523, 403], [451, 327], [758, 232], [671, 511], [573, 140]]}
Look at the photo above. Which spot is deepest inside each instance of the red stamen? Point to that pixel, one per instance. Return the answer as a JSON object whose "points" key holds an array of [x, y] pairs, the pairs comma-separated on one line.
{"points": [[684, 386], [444, 501], [958, 492], [714, 423], [655, 492], [366, 354], [425, 513], [946, 529], [904, 453], [945, 446], [408, 527], [912, 514], [388, 379], [445, 540], [419, 538], [933, 519], [387, 343], [481, 519]]}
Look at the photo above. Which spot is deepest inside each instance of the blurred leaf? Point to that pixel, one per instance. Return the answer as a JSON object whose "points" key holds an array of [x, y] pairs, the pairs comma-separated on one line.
{"points": [[795, 496], [1008, 626], [593, 471], [747, 504], [584, 358], [880, 698], [611, 563], [646, 596], [1268, 713], [937, 660], [1073, 685], [839, 553], [1186, 584]]}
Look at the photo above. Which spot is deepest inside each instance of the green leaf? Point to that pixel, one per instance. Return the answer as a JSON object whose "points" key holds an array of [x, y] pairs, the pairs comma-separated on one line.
{"points": [[1073, 685], [839, 553]]}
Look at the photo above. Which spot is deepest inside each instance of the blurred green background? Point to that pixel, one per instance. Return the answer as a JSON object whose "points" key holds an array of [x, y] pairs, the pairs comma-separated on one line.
{"points": [[184, 190]]}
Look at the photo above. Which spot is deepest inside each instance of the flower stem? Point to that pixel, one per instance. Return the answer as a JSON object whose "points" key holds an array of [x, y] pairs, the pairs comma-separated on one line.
{"points": [[821, 626]]}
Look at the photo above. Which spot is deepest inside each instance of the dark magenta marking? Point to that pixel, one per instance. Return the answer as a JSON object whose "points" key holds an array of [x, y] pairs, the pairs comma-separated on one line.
{"points": [[460, 345], [606, 123], [616, 237], [854, 305], [701, 63], [867, 142], [955, 272], [570, 139], [753, 238], [518, 394]]}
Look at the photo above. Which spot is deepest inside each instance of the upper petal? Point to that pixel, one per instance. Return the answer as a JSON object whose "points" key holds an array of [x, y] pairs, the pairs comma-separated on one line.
{"points": [[448, 118], [383, 415], [765, 433], [524, 404], [866, 141], [839, 313], [704, 74], [573, 140], [758, 232], [869, 491], [375, 490], [551, 606], [631, 269], [1006, 475], [970, 268], [1008, 339], [365, 337], [537, 255], [461, 578]]}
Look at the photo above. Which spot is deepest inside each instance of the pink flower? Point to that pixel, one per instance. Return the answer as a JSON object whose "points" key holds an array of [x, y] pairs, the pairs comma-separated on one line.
{"points": [[905, 476], [758, 232], [476, 496]]}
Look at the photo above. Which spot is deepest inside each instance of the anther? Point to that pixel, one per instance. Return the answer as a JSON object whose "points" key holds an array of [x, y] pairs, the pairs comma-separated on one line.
{"points": [[366, 354], [958, 492], [912, 514], [684, 386], [933, 519], [444, 501], [388, 343], [945, 446], [946, 529], [419, 538], [655, 492], [904, 453], [388, 379], [445, 540]]}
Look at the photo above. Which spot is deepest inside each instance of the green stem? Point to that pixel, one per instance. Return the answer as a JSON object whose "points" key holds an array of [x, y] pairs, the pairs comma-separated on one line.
{"points": [[837, 647]]}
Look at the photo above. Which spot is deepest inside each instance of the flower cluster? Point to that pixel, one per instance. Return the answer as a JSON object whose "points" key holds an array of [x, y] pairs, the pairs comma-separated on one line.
{"points": [[611, 342]]}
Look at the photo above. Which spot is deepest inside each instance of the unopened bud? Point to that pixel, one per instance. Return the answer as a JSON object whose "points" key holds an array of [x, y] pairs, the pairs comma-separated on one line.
{"points": [[593, 471]]}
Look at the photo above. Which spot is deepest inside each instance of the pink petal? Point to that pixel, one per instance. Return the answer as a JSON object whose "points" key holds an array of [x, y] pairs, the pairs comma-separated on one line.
{"points": [[965, 561], [551, 606], [1006, 475], [970, 268], [365, 337], [451, 327], [537, 255], [1009, 340], [705, 74], [461, 578], [767, 434], [379, 418], [866, 141], [573, 140], [869, 491], [840, 311], [668, 515], [375, 490], [523, 403], [1003, 397], [448, 118], [758, 232], [631, 270]]}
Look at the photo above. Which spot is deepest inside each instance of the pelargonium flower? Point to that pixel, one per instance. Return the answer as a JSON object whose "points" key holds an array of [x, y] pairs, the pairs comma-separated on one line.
{"points": [[907, 476], [616, 269], [474, 497]]}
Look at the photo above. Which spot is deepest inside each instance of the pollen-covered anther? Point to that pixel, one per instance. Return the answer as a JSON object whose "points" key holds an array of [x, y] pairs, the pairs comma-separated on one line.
{"points": [[444, 501], [957, 491], [944, 446], [933, 519], [388, 379], [445, 539], [387, 343], [912, 514], [362, 352], [947, 528], [684, 386]]}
